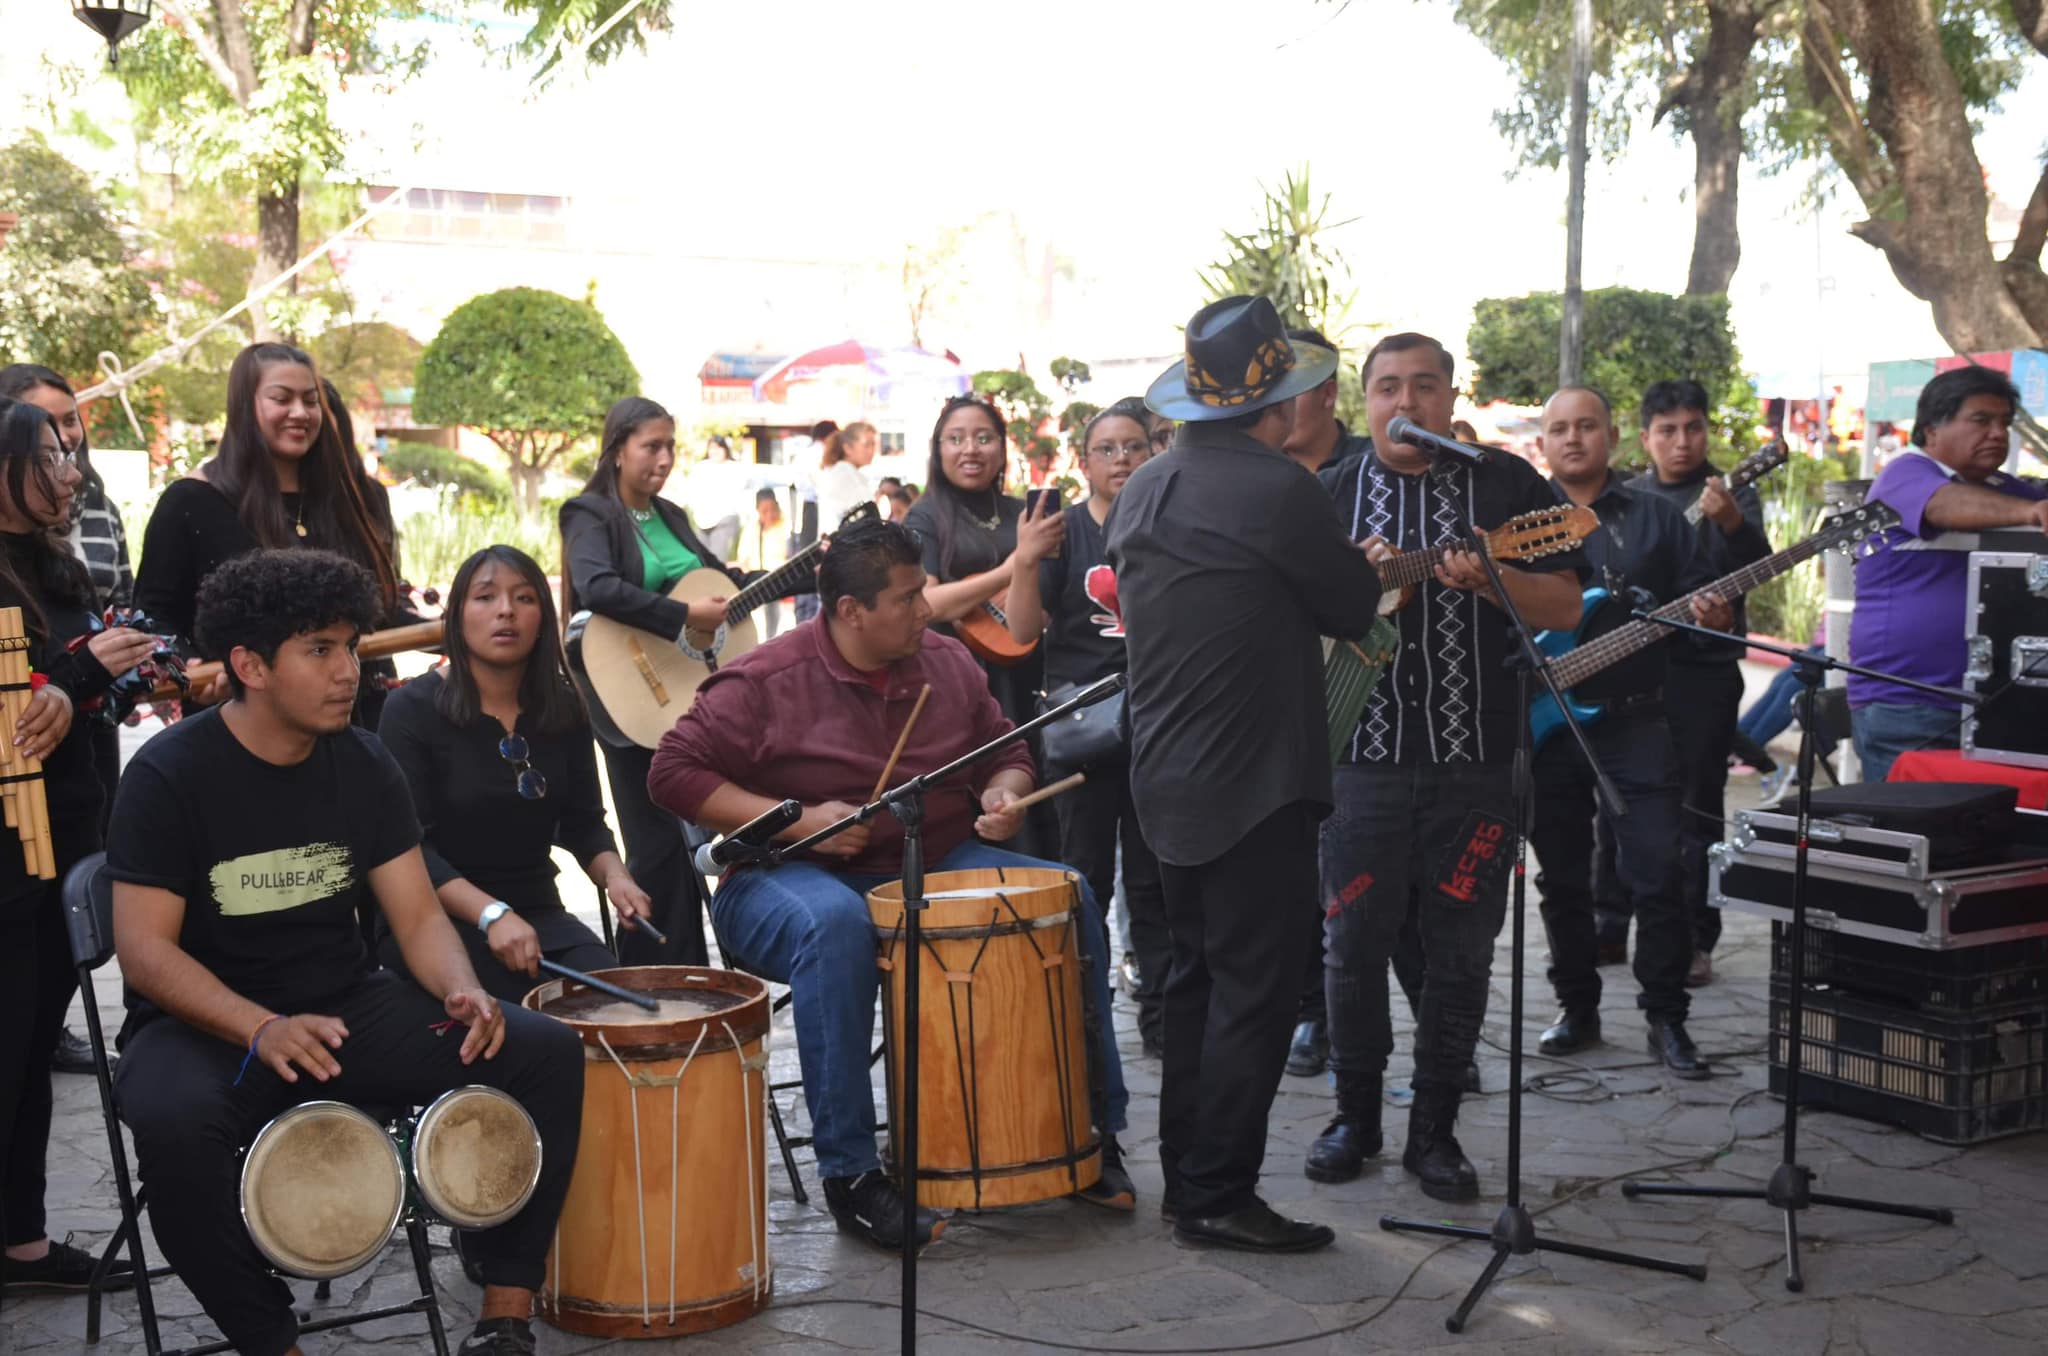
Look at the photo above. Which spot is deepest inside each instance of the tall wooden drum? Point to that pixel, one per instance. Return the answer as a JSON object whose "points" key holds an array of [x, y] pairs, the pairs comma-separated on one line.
{"points": [[665, 1231], [1003, 1088]]}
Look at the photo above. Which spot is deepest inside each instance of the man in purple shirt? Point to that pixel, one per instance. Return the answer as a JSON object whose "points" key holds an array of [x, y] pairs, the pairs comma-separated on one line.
{"points": [[1910, 598]]}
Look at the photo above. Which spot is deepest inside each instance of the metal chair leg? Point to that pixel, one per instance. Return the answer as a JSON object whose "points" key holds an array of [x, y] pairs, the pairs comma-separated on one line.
{"points": [[796, 1179]]}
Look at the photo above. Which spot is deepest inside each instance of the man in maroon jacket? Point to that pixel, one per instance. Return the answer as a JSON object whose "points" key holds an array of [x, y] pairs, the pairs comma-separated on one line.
{"points": [[812, 716]]}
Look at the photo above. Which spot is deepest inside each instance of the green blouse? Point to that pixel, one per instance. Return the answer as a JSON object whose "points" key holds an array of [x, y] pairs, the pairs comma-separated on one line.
{"points": [[663, 558]]}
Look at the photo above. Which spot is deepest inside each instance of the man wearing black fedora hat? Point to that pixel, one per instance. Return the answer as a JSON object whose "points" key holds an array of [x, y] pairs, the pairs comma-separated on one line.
{"points": [[1230, 561]]}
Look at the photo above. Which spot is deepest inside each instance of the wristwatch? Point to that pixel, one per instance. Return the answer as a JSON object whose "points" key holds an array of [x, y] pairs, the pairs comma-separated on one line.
{"points": [[493, 911]]}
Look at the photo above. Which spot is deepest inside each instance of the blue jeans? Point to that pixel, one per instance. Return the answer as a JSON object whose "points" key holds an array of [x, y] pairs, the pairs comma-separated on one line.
{"points": [[807, 926], [1884, 730], [1769, 715]]}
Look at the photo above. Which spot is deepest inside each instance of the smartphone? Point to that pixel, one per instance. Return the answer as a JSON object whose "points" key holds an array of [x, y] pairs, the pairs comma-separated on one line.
{"points": [[1032, 499]]}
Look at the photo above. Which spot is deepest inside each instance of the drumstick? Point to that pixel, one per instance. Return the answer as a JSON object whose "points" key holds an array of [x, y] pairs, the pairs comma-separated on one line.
{"points": [[1046, 792], [883, 781], [601, 985], [644, 925]]}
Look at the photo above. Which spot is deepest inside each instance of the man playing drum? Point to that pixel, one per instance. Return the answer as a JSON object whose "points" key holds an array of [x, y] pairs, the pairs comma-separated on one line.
{"points": [[244, 842], [813, 716]]}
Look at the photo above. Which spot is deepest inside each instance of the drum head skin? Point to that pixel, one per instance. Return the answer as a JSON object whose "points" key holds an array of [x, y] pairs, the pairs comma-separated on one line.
{"points": [[323, 1189], [476, 1157]]}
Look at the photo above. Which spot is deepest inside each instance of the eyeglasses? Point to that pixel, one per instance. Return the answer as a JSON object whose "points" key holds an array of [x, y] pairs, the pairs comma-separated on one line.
{"points": [[512, 748], [1126, 451], [1162, 438], [58, 462], [983, 440]]}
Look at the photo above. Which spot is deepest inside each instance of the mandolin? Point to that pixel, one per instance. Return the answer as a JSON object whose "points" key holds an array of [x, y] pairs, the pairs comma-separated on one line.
{"points": [[1541, 532], [986, 633], [638, 684]]}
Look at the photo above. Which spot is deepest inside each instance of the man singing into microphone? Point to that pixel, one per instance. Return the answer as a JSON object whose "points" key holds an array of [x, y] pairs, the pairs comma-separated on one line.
{"points": [[1427, 773], [812, 716]]}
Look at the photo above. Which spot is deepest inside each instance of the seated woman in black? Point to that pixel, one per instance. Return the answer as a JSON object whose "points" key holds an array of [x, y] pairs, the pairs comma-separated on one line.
{"points": [[623, 548], [280, 477], [39, 575], [498, 753]]}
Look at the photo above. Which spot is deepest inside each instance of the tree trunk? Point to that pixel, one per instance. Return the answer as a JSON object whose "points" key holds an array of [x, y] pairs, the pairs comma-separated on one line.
{"points": [[1714, 114], [2022, 268], [526, 480], [1933, 231], [277, 249]]}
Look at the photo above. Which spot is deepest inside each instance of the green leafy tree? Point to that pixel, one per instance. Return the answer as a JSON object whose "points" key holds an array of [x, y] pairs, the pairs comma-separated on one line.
{"points": [[1289, 258], [1025, 408], [1633, 338], [70, 284], [532, 371], [238, 93]]}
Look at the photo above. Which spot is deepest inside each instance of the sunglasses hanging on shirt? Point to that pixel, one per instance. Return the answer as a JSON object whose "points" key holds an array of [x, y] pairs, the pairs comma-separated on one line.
{"points": [[512, 748]]}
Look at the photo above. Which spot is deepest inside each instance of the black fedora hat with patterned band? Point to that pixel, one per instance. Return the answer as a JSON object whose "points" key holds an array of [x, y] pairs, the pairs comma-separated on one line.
{"points": [[1239, 359]]}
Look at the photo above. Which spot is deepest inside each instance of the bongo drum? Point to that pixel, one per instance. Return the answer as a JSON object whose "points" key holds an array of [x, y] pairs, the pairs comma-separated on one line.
{"points": [[475, 1157], [1002, 1057], [665, 1230], [323, 1190]]}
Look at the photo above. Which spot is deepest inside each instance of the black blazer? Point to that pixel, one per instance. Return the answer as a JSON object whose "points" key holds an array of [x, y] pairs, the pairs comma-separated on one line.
{"points": [[601, 564]]}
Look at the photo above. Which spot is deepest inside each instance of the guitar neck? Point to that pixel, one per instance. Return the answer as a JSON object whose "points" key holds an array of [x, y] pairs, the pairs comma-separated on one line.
{"points": [[1624, 641], [779, 583], [1419, 567]]}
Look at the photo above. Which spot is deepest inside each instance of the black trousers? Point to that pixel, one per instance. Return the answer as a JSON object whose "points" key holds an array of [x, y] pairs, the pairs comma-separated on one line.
{"points": [[1240, 925], [1396, 831], [1704, 702], [1634, 748], [1095, 817], [177, 1091], [563, 939], [659, 859]]}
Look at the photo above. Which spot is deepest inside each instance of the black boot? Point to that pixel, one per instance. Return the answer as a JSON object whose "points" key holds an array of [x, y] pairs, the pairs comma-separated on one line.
{"points": [[1339, 1153], [1433, 1153], [1309, 1054]]}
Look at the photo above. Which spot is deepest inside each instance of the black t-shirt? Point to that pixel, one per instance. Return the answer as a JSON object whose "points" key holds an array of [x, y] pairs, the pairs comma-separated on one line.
{"points": [[272, 862], [1084, 638], [976, 549]]}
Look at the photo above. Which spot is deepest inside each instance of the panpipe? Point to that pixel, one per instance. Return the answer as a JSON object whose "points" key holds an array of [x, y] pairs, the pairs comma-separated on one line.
{"points": [[26, 807], [377, 645], [1351, 669]]}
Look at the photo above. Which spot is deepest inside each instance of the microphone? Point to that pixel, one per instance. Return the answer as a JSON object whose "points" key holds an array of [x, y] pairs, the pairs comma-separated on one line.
{"points": [[746, 842], [1402, 429]]}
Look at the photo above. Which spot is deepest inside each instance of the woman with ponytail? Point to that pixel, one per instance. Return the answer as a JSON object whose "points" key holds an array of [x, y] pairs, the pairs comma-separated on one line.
{"points": [[623, 549]]}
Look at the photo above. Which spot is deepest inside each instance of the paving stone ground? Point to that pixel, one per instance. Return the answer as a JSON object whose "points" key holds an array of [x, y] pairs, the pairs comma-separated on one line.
{"points": [[1062, 1276]]}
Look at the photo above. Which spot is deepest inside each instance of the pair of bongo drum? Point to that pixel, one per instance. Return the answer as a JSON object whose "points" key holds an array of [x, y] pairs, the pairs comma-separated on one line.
{"points": [[324, 1186]]}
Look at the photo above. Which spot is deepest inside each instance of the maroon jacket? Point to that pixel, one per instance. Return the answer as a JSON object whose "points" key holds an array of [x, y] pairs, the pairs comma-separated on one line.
{"points": [[794, 719]]}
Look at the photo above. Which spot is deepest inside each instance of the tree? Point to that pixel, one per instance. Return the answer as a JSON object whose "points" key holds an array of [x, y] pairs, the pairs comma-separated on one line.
{"points": [[70, 286], [532, 371], [237, 92], [1632, 339]]}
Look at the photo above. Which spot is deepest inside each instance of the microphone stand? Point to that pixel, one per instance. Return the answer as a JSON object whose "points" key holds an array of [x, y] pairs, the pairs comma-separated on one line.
{"points": [[1514, 1233], [906, 804], [1790, 1189]]}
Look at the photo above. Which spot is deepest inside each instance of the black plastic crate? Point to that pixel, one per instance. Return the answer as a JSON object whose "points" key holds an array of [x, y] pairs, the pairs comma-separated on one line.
{"points": [[1958, 981], [1952, 1079]]}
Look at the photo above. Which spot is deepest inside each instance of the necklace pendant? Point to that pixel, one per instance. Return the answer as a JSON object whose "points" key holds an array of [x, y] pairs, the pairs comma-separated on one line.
{"points": [[299, 528]]}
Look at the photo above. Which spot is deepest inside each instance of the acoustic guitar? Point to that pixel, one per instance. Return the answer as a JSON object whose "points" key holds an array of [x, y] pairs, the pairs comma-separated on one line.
{"points": [[1751, 468], [638, 684]]}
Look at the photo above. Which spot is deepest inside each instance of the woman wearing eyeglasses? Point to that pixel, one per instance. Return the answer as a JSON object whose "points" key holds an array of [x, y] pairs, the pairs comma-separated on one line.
{"points": [[970, 530], [1071, 600], [40, 576], [499, 756]]}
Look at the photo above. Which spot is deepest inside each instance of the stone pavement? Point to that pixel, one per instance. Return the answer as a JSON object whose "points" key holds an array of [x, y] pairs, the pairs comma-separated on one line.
{"points": [[1062, 1276]]}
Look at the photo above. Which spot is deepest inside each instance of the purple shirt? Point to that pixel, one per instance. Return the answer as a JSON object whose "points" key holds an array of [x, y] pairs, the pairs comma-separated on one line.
{"points": [[1910, 599]]}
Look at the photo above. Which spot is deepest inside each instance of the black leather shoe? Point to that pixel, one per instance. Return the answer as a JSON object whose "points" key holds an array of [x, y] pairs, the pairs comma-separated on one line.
{"points": [[1339, 1153], [1310, 1053], [1256, 1228], [1433, 1153], [73, 1054], [1669, 1043], [1571, 1031]]}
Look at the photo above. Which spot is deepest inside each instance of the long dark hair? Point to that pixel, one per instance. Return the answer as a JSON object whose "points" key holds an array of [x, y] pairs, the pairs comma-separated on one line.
{"points": [[545, 690], [58, 576], [949, 504], [17, 380], [331, 500], [376, 498]]}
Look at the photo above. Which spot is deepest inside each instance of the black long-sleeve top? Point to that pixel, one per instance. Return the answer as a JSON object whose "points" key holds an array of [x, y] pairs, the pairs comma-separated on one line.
{"points": [[473, 822], [1725, 552], [191, 533]]}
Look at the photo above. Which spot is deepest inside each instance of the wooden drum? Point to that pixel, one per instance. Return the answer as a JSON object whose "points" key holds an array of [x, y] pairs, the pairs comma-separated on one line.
{"points": [[665, 1231], [1003, 1088]]}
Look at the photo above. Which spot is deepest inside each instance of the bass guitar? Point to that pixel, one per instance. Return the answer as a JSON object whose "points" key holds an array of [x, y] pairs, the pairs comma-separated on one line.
{"points": [[1598, 642], [1753, 467], [638, 684]]}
